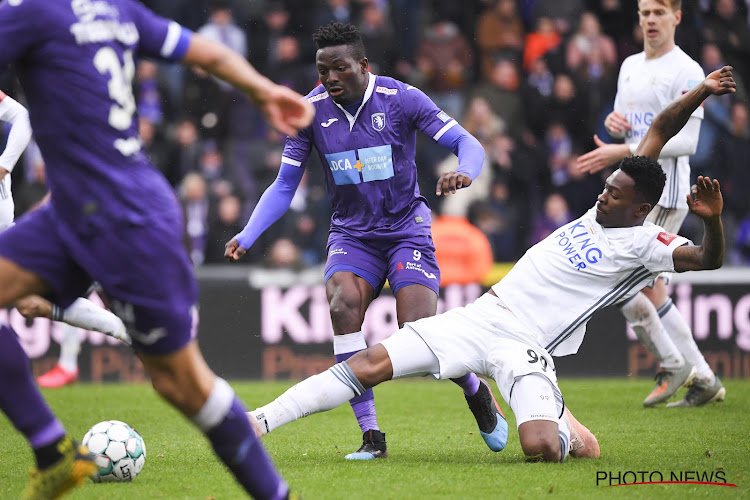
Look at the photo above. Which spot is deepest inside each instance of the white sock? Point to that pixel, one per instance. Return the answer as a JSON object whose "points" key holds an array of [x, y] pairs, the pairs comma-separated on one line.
{"points": [[351, 342], [85, 314], [69, 348], [682, 337], [216, 406], [642, 316], [322, 392], [564, 432]]}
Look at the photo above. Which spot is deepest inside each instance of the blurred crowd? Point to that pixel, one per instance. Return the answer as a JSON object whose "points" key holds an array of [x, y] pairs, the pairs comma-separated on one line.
{"points": [[533, 80]]}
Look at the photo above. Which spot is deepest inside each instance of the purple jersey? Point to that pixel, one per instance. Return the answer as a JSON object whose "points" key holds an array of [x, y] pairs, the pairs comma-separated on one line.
{"points": [[96, 170], [368, 158]]}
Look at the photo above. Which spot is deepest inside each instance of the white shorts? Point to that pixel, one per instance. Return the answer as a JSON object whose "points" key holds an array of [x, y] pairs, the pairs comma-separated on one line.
{"points": [[670, 219], [7, 207], [484, 338]]}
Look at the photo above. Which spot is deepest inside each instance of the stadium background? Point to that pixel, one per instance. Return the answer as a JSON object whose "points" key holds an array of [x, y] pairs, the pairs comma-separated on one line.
{"points": [[531, 79]]}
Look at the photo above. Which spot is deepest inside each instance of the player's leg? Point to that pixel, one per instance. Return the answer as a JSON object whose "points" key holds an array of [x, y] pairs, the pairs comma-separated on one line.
{"points": [[82, 313], [354, 275], [415, 279], [403, 354], [154, 294], [537, 407], [675, 372], [60, 464], [708, 387]]}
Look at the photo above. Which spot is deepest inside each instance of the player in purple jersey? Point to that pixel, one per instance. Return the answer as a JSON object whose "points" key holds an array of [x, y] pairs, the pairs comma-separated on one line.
{"points": [[365, 134], [113, 218]]}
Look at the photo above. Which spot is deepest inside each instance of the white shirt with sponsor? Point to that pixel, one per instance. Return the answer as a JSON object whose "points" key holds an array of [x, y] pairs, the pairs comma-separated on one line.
{"points": [[644, 88], [580, 268]]}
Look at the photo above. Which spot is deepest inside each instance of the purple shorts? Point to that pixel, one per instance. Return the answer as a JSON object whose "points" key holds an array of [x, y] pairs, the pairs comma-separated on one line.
{"points": [[407, 261], [144, 271]]}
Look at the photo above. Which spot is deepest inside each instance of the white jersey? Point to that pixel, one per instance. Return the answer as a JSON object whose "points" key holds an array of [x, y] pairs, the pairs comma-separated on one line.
{"points": [[579, 269], [644, 88]]}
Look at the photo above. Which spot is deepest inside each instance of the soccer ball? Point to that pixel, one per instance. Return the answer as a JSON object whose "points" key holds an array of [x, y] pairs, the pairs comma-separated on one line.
{"points": [[119, 449]]}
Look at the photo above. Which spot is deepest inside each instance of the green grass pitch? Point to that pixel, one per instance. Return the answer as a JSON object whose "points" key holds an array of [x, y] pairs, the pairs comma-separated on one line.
{"points": [[435, 449]]}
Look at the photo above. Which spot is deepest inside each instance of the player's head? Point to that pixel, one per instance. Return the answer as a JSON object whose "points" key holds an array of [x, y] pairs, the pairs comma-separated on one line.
{"points": [[341, 62], [659, 20], [630, 192]]}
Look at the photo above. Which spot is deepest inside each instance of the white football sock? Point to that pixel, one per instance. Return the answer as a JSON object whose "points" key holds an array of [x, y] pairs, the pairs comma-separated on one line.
{"points": [[216, 407], [69, 348], [564, 432], [85, 314], [642, 316], [682, 337], [322, 392]]}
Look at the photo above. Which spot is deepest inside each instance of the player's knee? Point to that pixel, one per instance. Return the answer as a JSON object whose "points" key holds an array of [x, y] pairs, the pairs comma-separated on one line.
{"points": [[371, 366], [346, 311], [537, 444]]}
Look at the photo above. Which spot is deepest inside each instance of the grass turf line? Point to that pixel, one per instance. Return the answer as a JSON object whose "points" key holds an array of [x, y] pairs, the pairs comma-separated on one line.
{"points": [[435, 448]]}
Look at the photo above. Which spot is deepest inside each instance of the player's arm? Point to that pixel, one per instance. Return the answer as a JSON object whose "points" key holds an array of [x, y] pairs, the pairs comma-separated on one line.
{"points": [[707, 205], [673, 118], [272, 205], [470, 155], [284, 109], [20, 132]]}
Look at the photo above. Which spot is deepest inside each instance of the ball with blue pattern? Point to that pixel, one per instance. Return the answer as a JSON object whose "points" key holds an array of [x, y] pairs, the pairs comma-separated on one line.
{"points": [[119, 449]]}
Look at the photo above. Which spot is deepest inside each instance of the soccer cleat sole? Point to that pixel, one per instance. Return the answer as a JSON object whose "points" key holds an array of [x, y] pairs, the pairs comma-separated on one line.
{"points": [[364, 455], [498, 438]]}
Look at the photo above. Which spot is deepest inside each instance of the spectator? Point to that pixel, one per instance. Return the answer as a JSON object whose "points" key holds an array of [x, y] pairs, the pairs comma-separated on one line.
{"points": [[223, 227], [462, 250], [556, 214], [499, 219], [587, 39], [445, 58], [500, 35], [195, 205], [731, 33], [540, 41], [379, 39], [503, 94], [184, 152]]}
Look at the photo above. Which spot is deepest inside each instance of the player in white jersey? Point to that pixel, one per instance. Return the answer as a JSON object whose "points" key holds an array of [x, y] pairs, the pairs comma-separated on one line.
{"points": [[82, 313], [542, 306], [20, 133], [647, 83]]}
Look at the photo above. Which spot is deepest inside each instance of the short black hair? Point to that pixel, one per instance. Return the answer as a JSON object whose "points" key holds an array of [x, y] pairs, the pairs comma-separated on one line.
{"points": [[335, 34], [648, 176]]}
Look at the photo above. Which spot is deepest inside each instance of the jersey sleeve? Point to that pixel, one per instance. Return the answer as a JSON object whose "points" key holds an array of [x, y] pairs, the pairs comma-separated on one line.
{"points": [[18, 29], [297, 149], [424, 115], [655, 248], [686, 78], [160, 38]]}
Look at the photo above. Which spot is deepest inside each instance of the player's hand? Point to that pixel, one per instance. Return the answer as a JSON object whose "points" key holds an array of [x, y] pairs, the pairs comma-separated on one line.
{"points": [[3, 173], [450, 182], [233, 251], [706, 201], [602, 157], [616, 124], [721, 82], [285, 109]]}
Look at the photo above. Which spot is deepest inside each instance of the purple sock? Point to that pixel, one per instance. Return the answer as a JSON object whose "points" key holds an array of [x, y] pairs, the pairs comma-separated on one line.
{"points": [[364, 404], [20, 398], [234, 441], [469, 383]]}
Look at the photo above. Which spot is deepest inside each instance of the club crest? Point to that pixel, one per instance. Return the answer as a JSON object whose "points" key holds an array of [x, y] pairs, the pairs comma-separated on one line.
{"points": [[378, 121]]}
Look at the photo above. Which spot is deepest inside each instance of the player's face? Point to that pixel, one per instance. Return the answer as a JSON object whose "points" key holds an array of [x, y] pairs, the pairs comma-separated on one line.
{"points": [[658, 22], [619, 205], [344, 77]]}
